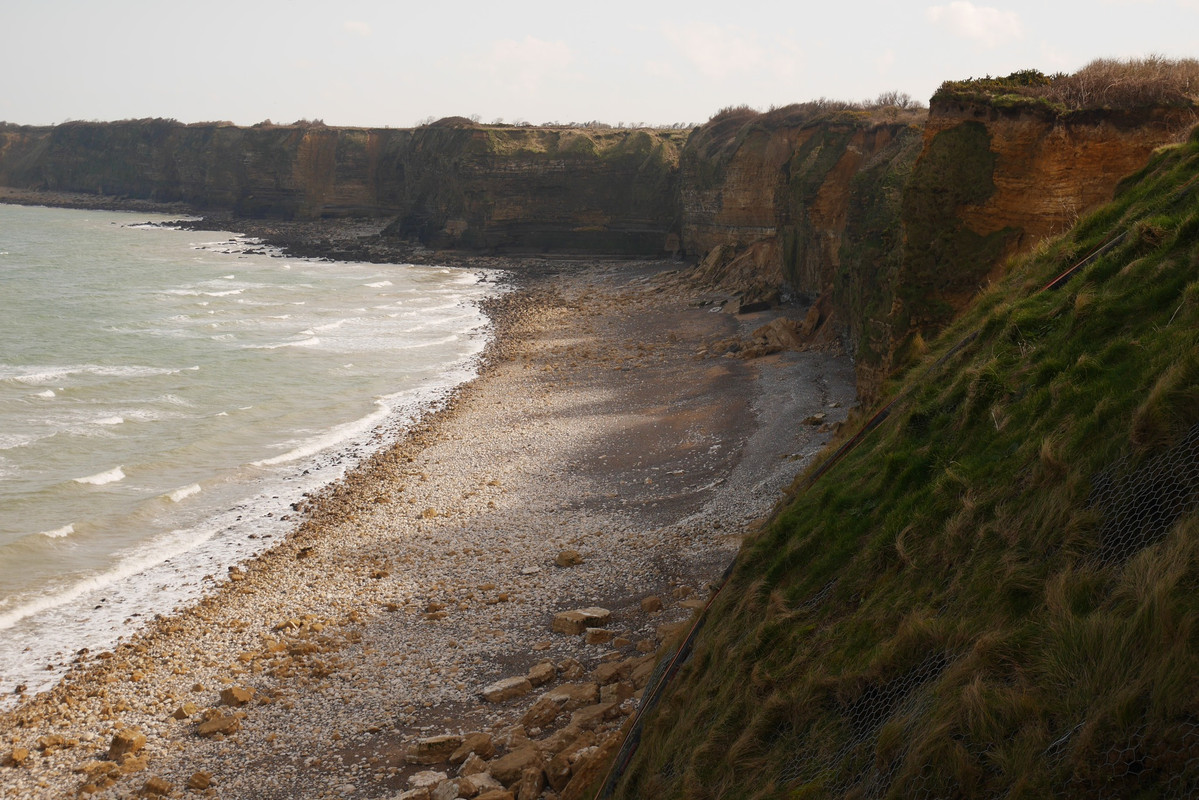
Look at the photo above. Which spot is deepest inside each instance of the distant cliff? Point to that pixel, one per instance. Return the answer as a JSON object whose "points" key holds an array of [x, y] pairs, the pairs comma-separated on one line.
{"points": [[451, 184]]}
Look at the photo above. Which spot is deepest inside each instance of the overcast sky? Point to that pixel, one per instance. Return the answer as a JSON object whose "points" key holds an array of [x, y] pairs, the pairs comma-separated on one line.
{"points": [[373, 63]]}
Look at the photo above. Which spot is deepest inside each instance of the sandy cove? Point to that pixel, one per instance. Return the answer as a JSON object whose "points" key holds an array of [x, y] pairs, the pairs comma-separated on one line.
{"points": [[600, 424]]}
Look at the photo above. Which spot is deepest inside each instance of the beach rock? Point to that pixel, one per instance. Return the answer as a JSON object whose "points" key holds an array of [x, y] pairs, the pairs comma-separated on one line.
{"points": [[156, 787], [484, 782], [542, 673], [426, 779], [433, 750], [616, 692], [642, 671], [512, 737], [679, 592], [609, 672], [570, 696], [598, 636], [16, 757], [52, 742], [478, 744], [496, 794], [132, 764], [532, 781], [448, 790], [126, 742], [236, 696], [223, 724], [508, 769], [588, 770], [542, 713], [571, 669], [651, 604], [472, 765], [569, 558], [186, 710], [575, 622], [557, 772], [507, 689], [199, 781], [589, 717]]}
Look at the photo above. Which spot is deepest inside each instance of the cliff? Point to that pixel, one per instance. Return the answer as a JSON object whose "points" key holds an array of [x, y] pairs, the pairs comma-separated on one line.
{"points": [[452, 184], [526, 189], [994, 180], [892, 222]]}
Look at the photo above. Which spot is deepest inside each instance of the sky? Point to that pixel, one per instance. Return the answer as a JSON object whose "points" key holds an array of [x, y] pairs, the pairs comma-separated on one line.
{"points": [[396, 64]]}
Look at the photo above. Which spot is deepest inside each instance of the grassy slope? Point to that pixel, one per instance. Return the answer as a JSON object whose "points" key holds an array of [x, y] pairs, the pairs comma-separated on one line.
{"points": [[997, 593]]}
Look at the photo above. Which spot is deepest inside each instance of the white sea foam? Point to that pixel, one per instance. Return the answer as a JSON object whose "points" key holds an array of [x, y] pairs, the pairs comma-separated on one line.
{"points": [[47, 393], [36, 375], [59, 533], [176, 543], [331, 438], [379, 284], [101, 478], [114, 420], [311, 341], [433, 343], [183, 492]]}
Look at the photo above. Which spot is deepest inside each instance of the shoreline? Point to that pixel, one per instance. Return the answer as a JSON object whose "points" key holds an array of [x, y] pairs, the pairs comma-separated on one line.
{"points": [[48, 623], [597, 424]]}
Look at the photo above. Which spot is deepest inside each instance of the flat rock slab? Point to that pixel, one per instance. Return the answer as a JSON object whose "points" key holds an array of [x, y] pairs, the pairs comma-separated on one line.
{"points": [[507, 689], [575, 622]]}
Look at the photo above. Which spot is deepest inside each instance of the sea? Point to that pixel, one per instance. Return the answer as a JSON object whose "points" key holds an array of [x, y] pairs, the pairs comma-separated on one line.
{"points": [[167, 394]]}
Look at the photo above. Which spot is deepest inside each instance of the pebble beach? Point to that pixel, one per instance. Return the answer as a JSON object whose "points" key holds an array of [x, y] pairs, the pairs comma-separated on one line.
{"points": [[407, 638]]}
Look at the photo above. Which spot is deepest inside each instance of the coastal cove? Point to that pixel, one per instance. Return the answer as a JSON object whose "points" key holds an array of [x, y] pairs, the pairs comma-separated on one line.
{"points": [[604, 421]]}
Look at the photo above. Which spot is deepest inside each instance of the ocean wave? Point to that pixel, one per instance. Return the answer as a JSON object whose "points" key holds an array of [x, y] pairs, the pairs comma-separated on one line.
{"points": [[433, 343], [59, 533], [183, 492], [378, 284], [47, 394], [331, 438], [101, 478], [312, 341], [38, 375], [10, 441], [174, 544]]}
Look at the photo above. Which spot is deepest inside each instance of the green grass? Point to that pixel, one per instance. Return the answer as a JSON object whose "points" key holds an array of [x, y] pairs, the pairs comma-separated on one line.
{"points": [[979, 601]]}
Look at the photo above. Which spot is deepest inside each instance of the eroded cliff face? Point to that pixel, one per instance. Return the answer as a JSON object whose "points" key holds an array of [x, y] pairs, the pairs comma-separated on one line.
{"points": [[992, 182], [462, 186], [892, 228], [529, 189]]}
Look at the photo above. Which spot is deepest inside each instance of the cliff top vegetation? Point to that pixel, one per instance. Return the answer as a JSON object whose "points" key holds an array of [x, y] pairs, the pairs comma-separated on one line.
{"points": [[1106, 83], [724, 131], [995, 593]]}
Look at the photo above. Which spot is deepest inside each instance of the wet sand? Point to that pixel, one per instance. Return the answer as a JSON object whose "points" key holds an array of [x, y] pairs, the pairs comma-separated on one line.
{"points": [[599, 424]]}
